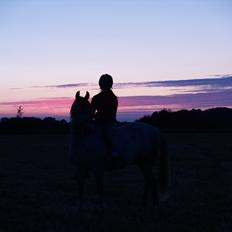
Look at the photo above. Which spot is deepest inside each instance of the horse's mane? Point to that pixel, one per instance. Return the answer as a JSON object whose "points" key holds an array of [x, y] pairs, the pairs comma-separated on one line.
{"points": [[73, 110], [80, 105]]}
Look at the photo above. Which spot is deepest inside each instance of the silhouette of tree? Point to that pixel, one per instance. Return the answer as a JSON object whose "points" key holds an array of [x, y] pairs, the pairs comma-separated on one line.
{"points": [[216, 119], [19, 112]]}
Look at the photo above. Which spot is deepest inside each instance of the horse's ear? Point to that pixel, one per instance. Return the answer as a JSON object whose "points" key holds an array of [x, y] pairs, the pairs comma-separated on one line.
{"points": [[87, 95], [77, 94]]}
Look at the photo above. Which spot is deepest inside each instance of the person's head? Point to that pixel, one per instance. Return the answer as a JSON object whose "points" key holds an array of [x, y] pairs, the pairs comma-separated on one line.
{"points": [[105, 82]]}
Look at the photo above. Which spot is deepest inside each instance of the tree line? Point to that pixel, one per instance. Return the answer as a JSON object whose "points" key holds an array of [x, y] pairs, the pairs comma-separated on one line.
{"points": [[215, 119]]}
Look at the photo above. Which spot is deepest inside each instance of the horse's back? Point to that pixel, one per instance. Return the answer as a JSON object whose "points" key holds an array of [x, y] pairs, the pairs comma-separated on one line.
{"points": [[131, 141], [138, 131], [136, 139]]}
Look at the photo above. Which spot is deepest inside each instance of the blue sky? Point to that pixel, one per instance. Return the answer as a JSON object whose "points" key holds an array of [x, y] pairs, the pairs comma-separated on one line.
{"points": [[64, 42], [59, 42]]}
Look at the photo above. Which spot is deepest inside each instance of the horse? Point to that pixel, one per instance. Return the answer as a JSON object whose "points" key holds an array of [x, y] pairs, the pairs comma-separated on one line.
{"points": [[136, 143]]}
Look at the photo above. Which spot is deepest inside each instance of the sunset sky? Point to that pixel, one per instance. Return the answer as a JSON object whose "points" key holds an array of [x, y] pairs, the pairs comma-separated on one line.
{"points": [[51, 48]]}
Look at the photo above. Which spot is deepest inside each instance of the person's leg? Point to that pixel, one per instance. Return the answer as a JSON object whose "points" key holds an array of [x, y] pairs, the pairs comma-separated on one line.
{"points": [[109, 131], [107, 136], [104, 132]]}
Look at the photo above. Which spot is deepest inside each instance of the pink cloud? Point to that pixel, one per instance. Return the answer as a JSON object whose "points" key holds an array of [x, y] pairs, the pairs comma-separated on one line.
{"points": [[138, 104]]}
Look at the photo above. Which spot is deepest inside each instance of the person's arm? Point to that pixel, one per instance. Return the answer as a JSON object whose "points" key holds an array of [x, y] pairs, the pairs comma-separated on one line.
{"points": [[93, 107], [115, 108]]}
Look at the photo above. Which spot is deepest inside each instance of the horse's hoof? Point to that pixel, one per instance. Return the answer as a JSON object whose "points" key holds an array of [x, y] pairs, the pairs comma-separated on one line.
{"points": [[79, 208], [164, 197], [143, 206]]}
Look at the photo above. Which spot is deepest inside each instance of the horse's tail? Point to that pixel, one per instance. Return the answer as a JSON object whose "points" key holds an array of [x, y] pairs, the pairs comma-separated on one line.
{"points": [[164, 168]]}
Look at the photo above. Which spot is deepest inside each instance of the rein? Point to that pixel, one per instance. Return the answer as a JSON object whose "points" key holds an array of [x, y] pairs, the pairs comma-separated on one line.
{"points": [[84, 129]]}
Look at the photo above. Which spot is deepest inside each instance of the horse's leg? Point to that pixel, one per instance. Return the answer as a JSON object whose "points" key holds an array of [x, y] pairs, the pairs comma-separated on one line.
{"points": [[99, 174], [155, 191], [80, 175], [146, 170], [164, 171], [80, 185]]}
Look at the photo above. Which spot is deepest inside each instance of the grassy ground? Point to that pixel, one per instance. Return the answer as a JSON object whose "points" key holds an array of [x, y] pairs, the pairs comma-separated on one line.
{"points": [[38, 193]]}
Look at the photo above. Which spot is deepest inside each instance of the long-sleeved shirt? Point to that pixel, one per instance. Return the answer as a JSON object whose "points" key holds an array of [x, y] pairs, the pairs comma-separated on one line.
{"points": [[104, 107]]}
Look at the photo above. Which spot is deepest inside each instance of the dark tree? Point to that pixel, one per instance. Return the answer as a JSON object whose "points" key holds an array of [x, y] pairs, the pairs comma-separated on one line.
{"points": [[19, 112]]}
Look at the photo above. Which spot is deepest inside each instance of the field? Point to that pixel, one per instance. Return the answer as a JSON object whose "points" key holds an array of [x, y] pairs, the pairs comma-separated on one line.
{"points": [[38, 191]]}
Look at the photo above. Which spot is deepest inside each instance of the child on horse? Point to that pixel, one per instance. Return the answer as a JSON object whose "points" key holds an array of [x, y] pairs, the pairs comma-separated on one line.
{"points": [[104, 109]]}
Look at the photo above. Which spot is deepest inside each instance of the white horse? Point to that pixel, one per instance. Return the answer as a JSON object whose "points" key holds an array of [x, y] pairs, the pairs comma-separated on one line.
{"points": [[136, 144]]}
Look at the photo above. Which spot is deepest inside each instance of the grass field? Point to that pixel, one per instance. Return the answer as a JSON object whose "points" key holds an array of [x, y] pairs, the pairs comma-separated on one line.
{"points": [[38, 192]]}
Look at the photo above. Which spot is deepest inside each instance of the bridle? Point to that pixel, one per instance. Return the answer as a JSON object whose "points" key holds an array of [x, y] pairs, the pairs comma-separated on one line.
{"points": [[82, 122]]}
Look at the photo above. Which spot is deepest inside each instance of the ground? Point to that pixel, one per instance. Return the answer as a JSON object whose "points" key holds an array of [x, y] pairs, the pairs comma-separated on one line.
{"points": [[38, 192]]}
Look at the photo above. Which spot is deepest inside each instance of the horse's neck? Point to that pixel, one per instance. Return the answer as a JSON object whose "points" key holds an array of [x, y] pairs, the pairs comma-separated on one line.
{"points": [[85, 131]]}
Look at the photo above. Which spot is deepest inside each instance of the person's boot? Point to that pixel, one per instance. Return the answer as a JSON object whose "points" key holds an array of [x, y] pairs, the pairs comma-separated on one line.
{"points": [[114, 154]]}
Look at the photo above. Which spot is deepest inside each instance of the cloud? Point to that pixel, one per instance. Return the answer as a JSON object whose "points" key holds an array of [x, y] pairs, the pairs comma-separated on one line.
{"points": [[188, 100], [212, 92], [72, 85], [39, 101], [215, 83], [41, 107], [220, 81], [222, 98], [16, 88]]}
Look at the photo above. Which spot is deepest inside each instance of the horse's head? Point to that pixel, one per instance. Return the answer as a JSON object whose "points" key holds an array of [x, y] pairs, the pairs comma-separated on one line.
{"points": [[81, 109]]}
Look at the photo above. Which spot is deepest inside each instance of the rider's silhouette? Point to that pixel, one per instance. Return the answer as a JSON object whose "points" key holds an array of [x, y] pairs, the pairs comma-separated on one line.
{"points": [[104, 109]]}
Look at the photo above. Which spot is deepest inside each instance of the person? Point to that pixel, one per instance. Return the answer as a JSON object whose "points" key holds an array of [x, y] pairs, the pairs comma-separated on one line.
{"points": [[104, 110]]}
